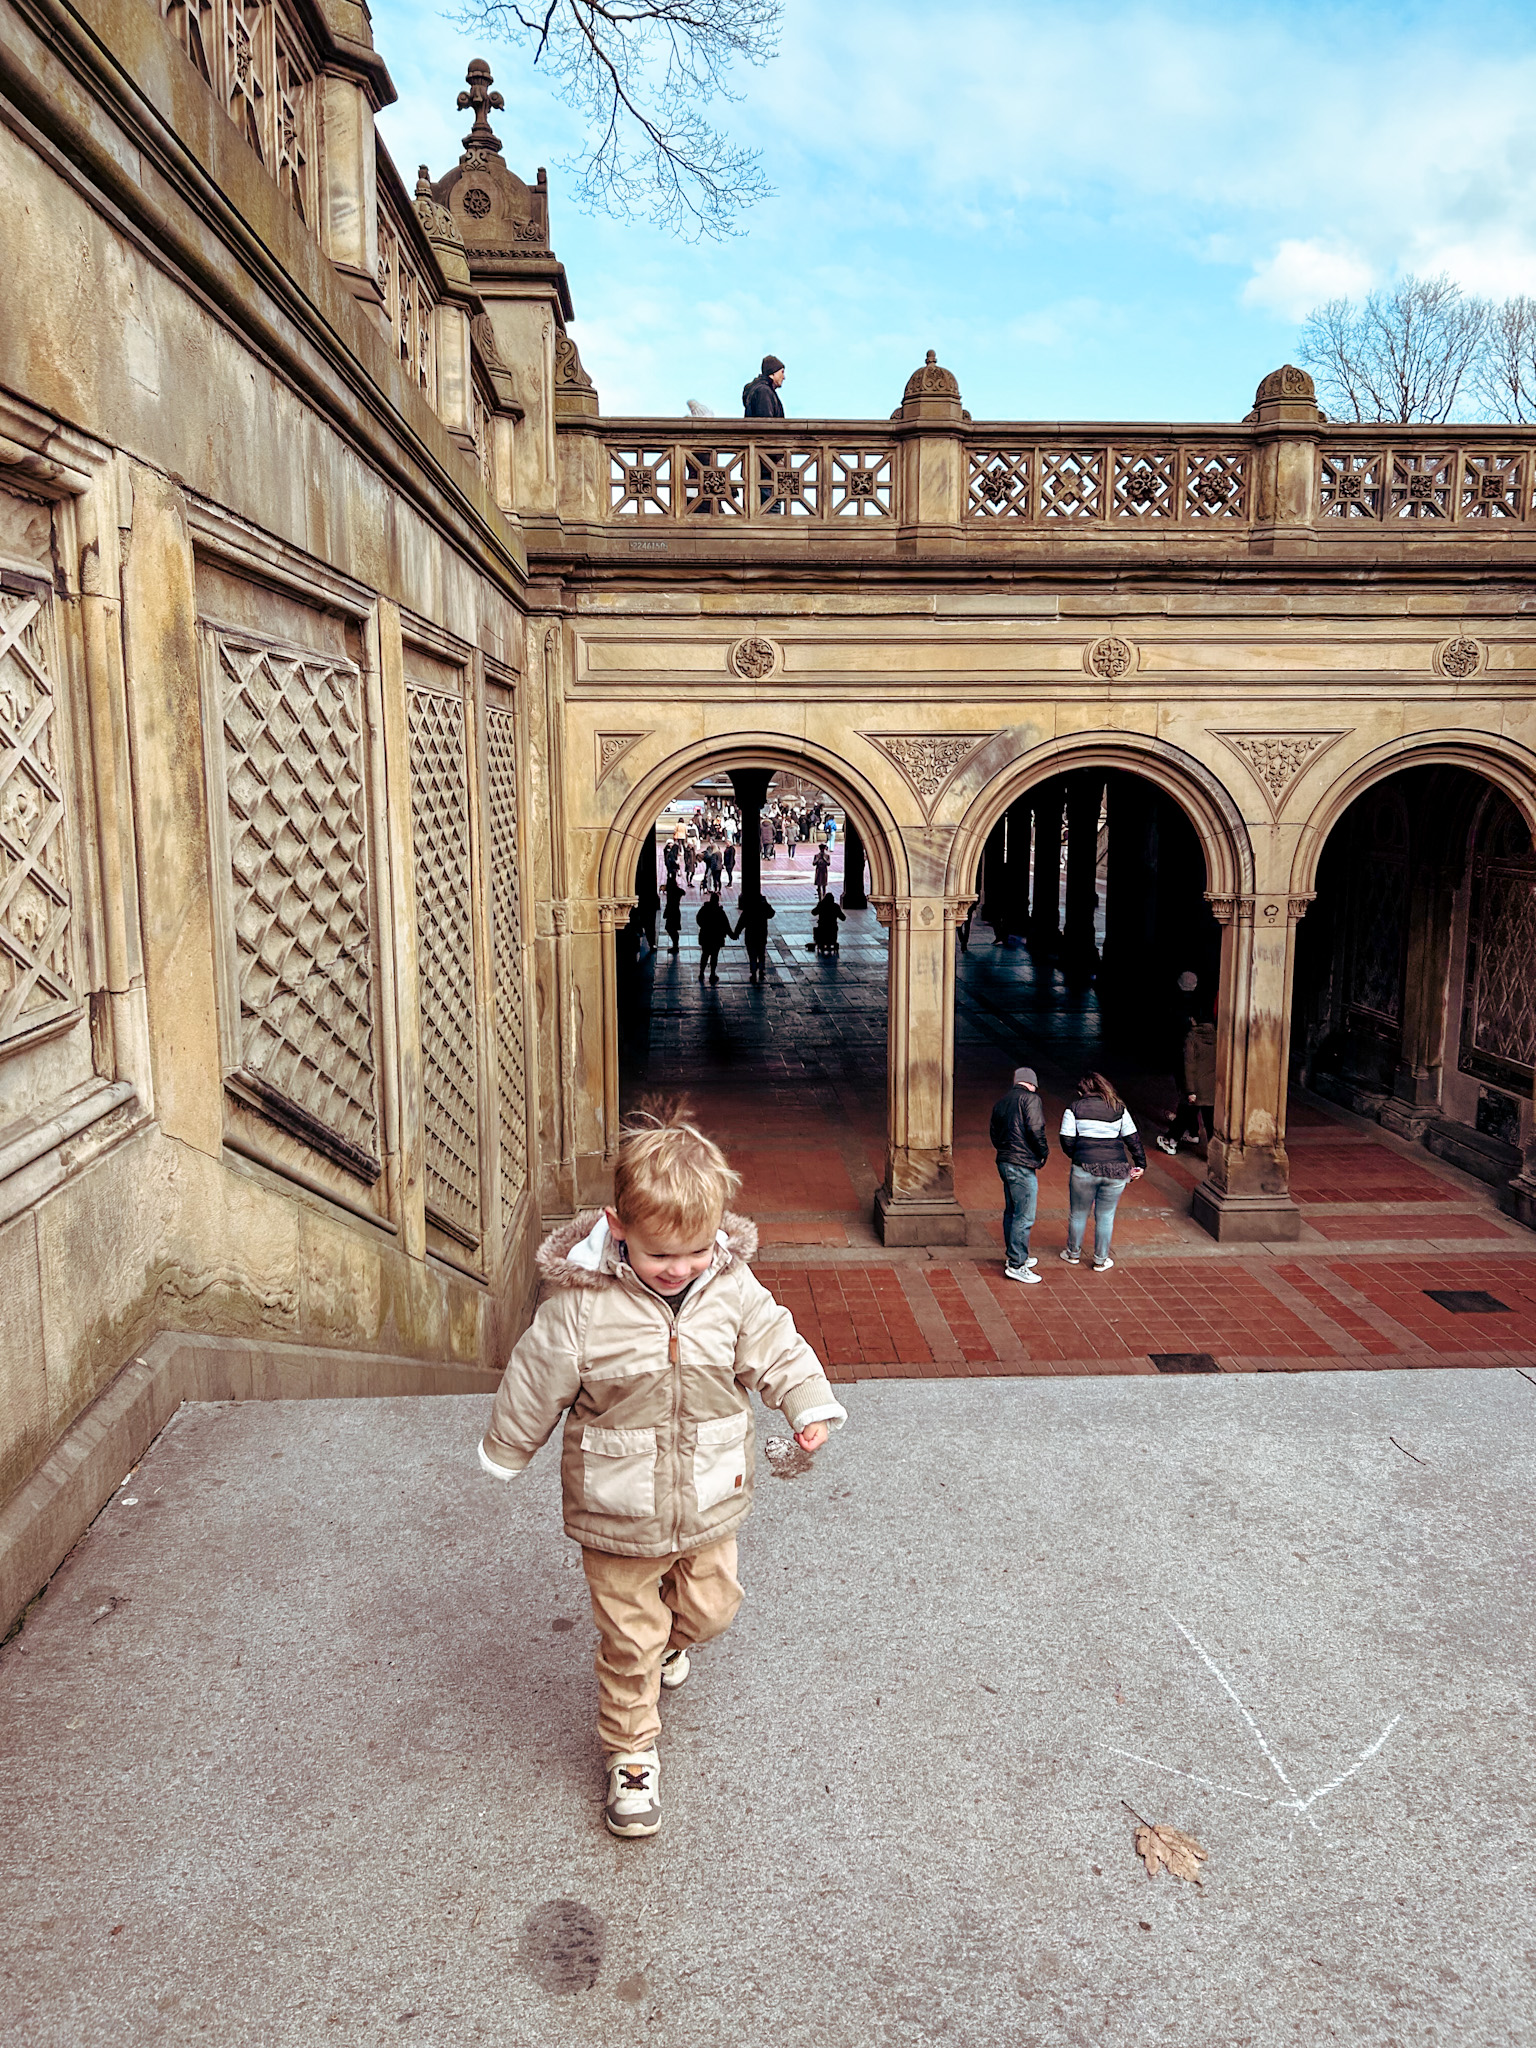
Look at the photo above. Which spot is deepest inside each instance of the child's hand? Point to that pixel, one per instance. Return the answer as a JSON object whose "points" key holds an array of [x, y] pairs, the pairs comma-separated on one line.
{"points": [[812, 1437]]}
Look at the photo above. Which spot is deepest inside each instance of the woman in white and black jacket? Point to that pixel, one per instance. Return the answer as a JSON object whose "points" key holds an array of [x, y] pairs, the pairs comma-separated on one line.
{"points": [[1100, 1139]]}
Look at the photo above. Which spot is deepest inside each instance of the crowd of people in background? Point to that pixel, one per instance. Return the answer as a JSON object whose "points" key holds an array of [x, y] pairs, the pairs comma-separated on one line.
{"points": [[706, 848]]}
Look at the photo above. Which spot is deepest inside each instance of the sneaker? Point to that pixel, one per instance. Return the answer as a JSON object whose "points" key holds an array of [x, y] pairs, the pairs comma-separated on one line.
{"points": [[634, 1794], [674, 1668], [1102, 1265], [1168, 1145], [1019, 1273], [1070, 1256]]}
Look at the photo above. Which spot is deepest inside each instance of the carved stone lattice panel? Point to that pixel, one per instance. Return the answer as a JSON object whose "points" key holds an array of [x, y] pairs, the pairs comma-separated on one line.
{"points": [[791, 482], [507, 958], [611, 749], [640, 483], [714, 483], [928, 760], [999, 484], [1350, 483], [296, 811], [1072, 483], [862, 483], [1422, 485], [1493, 486], [1278, 760], [1498, 1029], [1144, 483], [36, 910], [446, 961], [1215, 484]]}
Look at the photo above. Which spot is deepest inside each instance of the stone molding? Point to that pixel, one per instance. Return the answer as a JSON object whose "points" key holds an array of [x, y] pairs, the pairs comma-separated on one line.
{"points": [[1277, 760], [1265, 912]]}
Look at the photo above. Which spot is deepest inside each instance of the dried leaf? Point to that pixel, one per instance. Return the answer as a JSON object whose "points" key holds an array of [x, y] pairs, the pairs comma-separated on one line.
{"points": [[1179, 1853]]}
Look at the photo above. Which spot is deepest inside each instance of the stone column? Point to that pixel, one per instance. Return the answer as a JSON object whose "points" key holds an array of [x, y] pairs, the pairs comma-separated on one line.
{"points": [[1130, 906], [917, 1203], [1245, 1197], [648, 888], [993, 880], [1045, 908], [1415, 1098], [1085, 794], [854, 897], [751, 788]]}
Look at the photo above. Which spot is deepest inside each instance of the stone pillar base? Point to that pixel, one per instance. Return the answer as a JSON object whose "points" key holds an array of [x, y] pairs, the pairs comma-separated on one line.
{"points": [[1246, 1219], [936, 1221], [1406, 1120], [1518, 1199]]}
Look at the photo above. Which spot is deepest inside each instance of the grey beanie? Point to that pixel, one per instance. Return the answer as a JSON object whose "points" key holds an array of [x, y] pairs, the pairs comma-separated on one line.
{"points": [[1024, 1077], [1189, 982]]}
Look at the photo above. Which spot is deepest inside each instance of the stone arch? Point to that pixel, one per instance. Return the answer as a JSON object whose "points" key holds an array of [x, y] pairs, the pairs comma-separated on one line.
{"points": [[1205, 800], [625, 837], [1505, 763]]}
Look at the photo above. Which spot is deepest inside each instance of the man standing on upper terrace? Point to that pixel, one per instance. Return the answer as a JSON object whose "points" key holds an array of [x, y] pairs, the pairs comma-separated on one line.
{"points": [[760, 399]]}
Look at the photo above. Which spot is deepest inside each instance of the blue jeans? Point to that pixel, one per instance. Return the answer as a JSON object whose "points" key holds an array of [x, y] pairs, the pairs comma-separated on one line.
{"points": [[1098, 1194], [1020, 1190]]}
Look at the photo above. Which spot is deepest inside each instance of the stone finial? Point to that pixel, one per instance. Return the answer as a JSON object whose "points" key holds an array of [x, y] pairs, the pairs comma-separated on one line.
{"points": [[1285, 394], [480, 98], [932, 393]]}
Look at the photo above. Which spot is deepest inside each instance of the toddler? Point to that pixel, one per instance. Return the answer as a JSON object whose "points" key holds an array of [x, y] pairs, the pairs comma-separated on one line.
{"points": [[651, 1338]]}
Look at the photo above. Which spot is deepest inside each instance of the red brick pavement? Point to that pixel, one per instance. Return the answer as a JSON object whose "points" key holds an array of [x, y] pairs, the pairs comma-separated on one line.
{"points": [[1255, 1314]]}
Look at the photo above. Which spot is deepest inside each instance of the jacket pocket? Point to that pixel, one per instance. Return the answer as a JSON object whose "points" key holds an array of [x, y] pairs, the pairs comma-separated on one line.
{"points": [[720, 1460], [618, 1471]]}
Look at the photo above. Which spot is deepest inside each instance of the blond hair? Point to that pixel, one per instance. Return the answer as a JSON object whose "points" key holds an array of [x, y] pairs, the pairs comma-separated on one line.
{"points": [[671, 1177]]}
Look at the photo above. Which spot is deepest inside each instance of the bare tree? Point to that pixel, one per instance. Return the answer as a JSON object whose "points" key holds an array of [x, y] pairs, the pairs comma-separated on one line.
{"points": [[1506, 375], [1403, 354], [641, 74]]}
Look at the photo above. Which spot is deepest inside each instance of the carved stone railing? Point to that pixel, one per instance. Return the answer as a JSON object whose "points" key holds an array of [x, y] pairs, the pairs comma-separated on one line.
{"points": [[409, 282], [1156, 479], [263, 63], [805, 470], [1431, 478]]}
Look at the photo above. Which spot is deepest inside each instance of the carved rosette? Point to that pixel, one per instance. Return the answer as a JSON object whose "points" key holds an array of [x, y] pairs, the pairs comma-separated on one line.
{"points": [[1266, 913], [1109, 658], [928, 761], [611, 749], [753, 659], [1460, 658], [1278, 760]]}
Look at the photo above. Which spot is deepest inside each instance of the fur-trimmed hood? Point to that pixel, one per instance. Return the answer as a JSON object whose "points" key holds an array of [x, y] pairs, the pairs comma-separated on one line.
{"points": [[582, 1253]]}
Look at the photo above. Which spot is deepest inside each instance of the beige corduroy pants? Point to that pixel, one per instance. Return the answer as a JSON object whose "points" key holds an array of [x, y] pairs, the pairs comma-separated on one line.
{"points": [[643, 1607]]}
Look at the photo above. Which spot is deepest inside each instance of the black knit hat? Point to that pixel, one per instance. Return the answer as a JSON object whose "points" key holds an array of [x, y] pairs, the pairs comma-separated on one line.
{"points": [[770, 364]]}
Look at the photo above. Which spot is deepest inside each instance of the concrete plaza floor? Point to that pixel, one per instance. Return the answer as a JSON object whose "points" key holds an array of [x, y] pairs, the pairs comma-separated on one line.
{"points": [[298, 1747]]}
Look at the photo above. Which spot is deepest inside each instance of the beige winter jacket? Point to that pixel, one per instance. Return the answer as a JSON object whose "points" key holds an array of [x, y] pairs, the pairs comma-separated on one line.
{"points": [[658, 1443]]}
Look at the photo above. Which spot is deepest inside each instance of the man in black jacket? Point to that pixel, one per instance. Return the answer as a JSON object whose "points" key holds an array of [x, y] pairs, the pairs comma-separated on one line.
{"points": [[760, 399], [1022, 1148]]}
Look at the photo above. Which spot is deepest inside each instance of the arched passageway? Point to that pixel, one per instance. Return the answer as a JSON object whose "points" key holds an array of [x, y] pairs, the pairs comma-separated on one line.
{"points": [[1415, 981]]}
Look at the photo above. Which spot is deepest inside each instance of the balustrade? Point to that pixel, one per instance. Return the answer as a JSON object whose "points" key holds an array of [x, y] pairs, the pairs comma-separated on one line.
{"points": [[817, 475], [258, 59], [1429, 479]]}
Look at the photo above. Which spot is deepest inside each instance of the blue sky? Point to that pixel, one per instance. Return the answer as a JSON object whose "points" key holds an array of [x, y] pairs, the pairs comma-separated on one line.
{"points": [[1092, 211]]}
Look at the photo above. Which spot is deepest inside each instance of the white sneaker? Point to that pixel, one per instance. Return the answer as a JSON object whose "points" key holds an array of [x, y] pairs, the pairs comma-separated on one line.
{"points": [[634, 1794], [1102, 1265], [1013, 1273], [1168, 1145], [1070, 1256], [674, 1668]]}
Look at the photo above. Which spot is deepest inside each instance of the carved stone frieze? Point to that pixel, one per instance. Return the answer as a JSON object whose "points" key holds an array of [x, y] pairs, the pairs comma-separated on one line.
{"points": [[928, 760], [1278, 760], [1109, 658], [611, 749]]}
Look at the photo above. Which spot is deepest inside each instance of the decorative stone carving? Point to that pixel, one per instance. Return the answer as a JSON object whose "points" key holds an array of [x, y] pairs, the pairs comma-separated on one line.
{"points": [[611, 749], [485, 340], [437, 220], [1459, 658], [507, 957], [445, 961], [754, 659], [296, 821], [569, 374], [36, 911], [1286, 382], [929, 761], [1278, 760], [1109, 658], [931, 381], [495, 212]]}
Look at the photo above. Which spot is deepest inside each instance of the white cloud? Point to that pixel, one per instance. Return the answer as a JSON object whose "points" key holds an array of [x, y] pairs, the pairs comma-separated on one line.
{"points": [[1301, 275]]}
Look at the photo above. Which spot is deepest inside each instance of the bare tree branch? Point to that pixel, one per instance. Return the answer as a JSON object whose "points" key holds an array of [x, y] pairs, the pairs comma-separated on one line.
{"points": [[641, 74], [1506, 376], [1404, 354]]}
